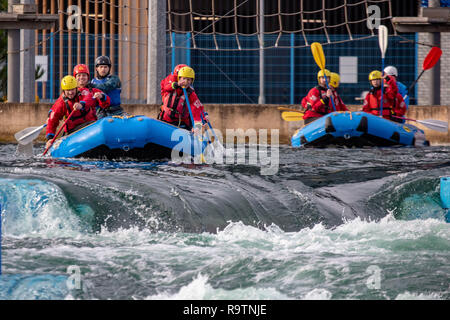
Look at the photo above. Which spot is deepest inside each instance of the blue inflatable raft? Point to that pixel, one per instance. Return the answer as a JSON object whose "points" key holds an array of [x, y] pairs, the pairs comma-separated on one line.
{"points": [[357, 129], [445, 196], [136, 137]]}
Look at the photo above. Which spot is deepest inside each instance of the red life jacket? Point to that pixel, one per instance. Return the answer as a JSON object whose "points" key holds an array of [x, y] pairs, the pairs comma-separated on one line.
{"points": [[174, 109], [62, 108], [372, 104], [314, 105]]}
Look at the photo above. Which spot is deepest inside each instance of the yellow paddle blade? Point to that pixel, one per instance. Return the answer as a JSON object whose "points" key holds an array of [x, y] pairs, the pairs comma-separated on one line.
{"points": [[292, 116], [319, 57]]}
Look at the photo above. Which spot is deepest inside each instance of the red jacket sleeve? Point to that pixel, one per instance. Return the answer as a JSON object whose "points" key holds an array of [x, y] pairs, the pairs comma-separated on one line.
{"points": [[56, 113], [340, 106], [316, 102], [166, 87], [304, 103], [106, 102], [392, 89], [400, 106]]}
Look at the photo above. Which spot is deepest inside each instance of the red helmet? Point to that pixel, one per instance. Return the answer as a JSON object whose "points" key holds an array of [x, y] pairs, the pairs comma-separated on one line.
{"points": [[80, 68], [178, 67]]}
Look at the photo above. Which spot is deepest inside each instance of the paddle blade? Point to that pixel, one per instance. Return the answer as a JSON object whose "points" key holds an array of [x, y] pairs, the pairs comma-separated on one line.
{"points": [[437, 125], [317, 52], [292, 116], [432, 58], [383, 39], [27, 135], [24, 150]]}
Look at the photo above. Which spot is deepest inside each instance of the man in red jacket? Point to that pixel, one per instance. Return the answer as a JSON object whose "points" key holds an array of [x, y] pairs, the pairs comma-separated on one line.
{"points": [[93, 97], [174, 109], [70, 99], [393, 104], [318, 101]]}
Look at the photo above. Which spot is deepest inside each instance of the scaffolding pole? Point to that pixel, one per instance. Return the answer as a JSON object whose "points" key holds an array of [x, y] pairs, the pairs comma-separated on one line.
{"points": [[156, 62]]}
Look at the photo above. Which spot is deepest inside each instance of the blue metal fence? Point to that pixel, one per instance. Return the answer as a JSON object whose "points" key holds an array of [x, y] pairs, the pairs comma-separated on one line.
{"points": [[444, 3], [54, 76], [232, 76]]}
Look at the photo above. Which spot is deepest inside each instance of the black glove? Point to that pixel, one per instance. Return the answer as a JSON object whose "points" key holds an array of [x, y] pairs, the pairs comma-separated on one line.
{"points": [[175, 85], [189, 90], [326, 101]]}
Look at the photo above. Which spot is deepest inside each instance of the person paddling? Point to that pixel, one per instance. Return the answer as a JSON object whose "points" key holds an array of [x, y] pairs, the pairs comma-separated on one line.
{"points": [[70, 100], [109, 84], [393, 104], [318, 101], [94, 97], [174, 109]]}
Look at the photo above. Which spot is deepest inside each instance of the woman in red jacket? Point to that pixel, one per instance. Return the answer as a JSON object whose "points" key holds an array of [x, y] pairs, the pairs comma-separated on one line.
{"points": [[174, 109], [93, 97], [393, 104], [318, 101], [70, 99]]}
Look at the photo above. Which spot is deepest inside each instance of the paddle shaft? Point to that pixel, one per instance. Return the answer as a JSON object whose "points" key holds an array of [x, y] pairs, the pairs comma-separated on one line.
{"points": [[288, 109], [59, 131], [383, 43], [210, 126], [207, 134], [432, 124], [382, 86], [332, 95], [319, 58], [429, 62], [414, 83], [189, 106]]}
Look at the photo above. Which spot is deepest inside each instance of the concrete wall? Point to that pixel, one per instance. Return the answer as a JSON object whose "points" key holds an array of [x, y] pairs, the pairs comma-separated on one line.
{"points": [[15, 117], [424, 89]]}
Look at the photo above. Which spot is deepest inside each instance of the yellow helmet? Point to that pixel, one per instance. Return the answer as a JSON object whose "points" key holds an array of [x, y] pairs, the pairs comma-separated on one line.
{"points": [[334, 80], [375, 75], [186, 72], [68, 83], [320, 73]]}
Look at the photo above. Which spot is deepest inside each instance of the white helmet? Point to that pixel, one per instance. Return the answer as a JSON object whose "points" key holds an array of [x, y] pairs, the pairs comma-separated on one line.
{"points": [[391, 71]]}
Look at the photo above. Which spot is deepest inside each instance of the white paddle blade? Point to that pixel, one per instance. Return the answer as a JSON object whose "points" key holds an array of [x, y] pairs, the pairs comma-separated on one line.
{"points": [[437, 125], [27, 135], [24, 150], [383, 39]]}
